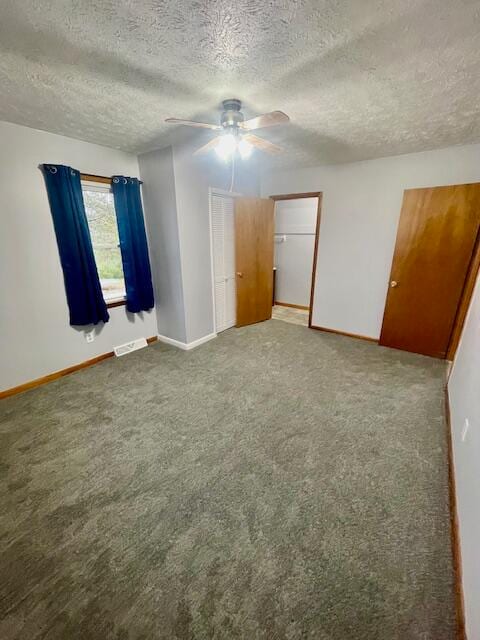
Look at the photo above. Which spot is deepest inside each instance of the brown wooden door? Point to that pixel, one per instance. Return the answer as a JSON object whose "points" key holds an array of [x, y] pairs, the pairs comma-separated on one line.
{"points": [[254, 229], [435, 242]]}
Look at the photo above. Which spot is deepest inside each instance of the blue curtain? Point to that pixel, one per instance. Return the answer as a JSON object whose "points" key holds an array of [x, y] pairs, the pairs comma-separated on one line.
{"points": [[82, 285], [133, 243]]}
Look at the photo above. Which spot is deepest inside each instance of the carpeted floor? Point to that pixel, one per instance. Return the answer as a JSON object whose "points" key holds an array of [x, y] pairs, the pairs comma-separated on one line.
{"points": [[276, 483]]}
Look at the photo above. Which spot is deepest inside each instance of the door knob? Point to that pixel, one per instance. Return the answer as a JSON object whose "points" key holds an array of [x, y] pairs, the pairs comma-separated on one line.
{"points": [[393, 284], [240, 274]]}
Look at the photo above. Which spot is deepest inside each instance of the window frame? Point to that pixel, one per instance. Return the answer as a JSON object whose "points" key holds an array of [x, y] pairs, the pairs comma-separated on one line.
{"points": [[85, 179]]}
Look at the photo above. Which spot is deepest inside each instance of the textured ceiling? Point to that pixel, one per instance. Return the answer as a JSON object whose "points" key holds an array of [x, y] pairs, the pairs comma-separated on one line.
{"points": [[359, 78]]}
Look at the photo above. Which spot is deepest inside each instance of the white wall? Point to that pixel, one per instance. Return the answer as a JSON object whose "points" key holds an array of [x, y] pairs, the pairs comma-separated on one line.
{"points": [[160, 204], [176, 171], [295, 223], [35, 335], [193, 177], [464, 393], [361, 207], [191, 185]]}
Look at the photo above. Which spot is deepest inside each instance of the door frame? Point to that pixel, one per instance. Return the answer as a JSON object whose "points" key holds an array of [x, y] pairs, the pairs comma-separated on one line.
{"points": [[473, 272], [299, 196], [218, 192]]}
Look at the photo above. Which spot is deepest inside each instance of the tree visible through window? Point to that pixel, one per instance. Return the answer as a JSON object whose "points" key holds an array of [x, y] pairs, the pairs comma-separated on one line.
{"points": [[102, 222]]}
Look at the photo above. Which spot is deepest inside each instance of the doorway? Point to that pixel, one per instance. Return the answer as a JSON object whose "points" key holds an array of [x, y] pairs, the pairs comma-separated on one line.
{"points": [[241, 240], [246, 233], [297, 223]]}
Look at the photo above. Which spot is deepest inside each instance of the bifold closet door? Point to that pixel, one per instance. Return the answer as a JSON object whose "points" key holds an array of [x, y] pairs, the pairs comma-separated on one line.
{"points": [[223, 246], [436, 239]]}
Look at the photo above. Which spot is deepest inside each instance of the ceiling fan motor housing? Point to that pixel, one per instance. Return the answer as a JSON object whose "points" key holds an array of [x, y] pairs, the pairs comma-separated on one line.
{"points": [[232, 116]]}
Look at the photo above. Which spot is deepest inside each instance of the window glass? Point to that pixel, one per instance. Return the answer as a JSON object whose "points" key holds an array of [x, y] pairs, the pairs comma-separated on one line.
{"points": [[102, 222]]}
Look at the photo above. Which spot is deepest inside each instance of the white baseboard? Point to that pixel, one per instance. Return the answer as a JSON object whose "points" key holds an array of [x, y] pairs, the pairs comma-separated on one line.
{"points": [[186, 346]]}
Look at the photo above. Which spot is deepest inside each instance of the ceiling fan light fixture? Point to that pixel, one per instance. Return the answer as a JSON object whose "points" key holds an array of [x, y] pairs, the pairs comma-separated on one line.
{"points": [[226, 146], [235, 132], [245, 149]]}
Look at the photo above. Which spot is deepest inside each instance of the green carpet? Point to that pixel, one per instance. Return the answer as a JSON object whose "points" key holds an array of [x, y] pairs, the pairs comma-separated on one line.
{"points": [[276, 483]]}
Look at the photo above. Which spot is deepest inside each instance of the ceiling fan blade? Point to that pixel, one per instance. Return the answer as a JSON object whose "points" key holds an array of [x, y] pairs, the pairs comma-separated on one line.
{"points": [[263, 145], [207, 147], [191, 123], [266, 120]]}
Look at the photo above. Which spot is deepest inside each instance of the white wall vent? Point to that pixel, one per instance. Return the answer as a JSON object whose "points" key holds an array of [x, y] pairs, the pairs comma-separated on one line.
{"points": [[123, 349]]}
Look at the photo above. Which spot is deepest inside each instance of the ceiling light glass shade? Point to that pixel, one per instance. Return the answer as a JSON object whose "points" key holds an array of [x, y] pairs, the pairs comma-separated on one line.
{"points": [[245, 148], [226, 146]]}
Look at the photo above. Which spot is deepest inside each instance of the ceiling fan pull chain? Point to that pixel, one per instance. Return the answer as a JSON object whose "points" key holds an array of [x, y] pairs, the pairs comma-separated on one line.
{"points": [[233, 172]]}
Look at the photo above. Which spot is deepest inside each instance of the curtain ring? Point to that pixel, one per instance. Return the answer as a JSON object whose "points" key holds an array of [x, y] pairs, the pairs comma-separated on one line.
{"points": [[116, 180], [52, 169], [125, 181], [72, 172]]}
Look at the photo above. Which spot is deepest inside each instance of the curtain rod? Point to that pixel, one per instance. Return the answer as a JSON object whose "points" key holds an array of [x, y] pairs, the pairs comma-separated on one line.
{"points": [[91, 177]]}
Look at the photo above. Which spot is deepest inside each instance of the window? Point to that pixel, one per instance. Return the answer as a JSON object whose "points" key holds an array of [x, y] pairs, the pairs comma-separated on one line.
{"points": [[102, 222]]}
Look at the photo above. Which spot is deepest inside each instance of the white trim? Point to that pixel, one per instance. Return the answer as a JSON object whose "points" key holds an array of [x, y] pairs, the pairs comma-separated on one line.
{"points": [[211, 191], [186, 346]]}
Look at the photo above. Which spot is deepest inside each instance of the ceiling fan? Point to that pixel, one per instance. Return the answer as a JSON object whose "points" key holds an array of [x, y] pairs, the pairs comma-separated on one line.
{"points": [[235, 131]]}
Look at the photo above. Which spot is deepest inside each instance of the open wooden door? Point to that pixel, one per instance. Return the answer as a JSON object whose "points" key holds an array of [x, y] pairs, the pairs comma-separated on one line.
{"points": [[436, 239], [254, 227]]}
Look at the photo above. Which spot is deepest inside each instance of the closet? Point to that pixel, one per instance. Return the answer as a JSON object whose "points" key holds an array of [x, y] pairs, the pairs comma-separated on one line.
{"points": [[295, 227], [223, 258]]}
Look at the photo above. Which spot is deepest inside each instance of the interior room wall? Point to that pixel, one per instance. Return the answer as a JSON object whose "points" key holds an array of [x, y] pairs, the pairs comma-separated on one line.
{"points": [[193, 178], [191, 184], [360, 212], [177, 171], [295, 222], [159, 198], [464, 394], [35, 336]]}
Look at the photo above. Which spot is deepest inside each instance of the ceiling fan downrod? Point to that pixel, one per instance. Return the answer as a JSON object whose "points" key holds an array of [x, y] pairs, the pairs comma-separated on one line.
{"points": [[231, 116]]}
